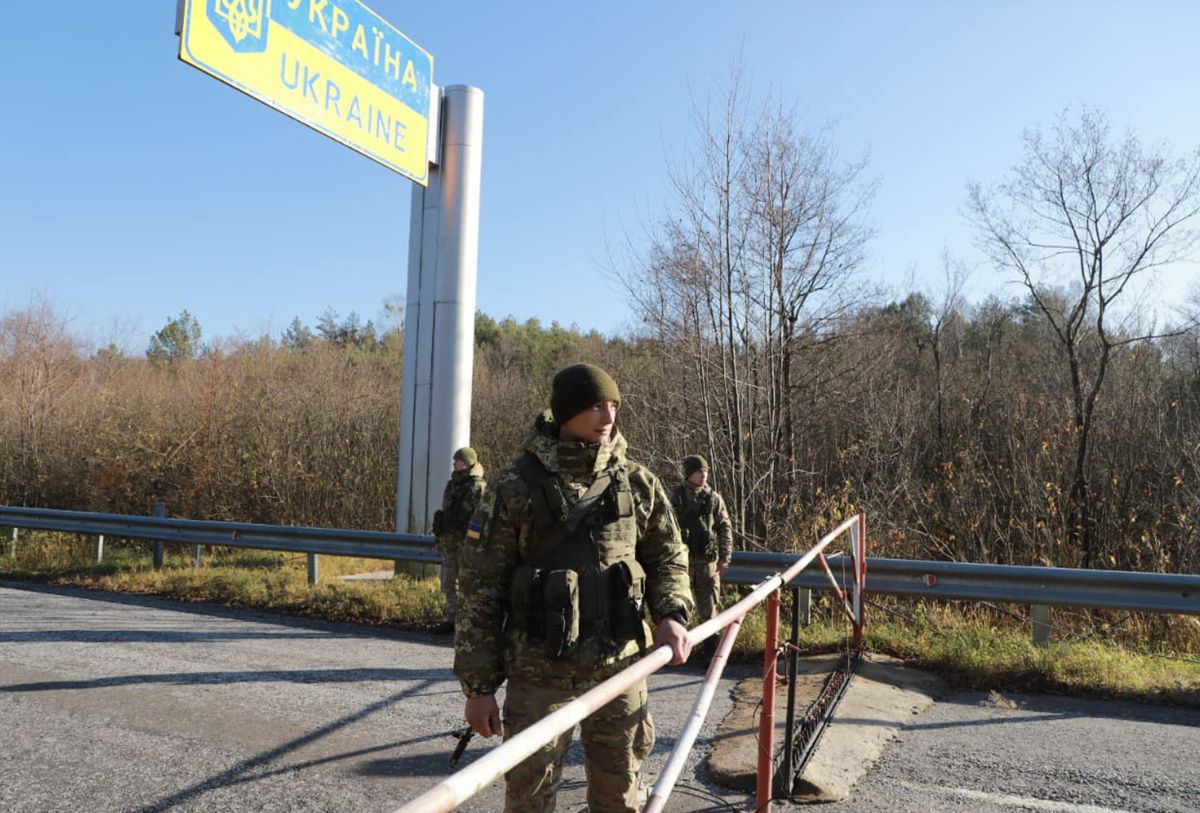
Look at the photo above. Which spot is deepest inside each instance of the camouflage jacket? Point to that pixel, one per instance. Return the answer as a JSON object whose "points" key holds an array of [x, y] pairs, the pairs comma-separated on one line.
{"points": [[460, 499], [701, 514], [501, 536]]}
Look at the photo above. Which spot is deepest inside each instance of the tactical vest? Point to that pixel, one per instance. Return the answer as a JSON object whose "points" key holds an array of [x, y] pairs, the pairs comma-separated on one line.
{"points": [[696, 521], [454, 516], [580, 580]]}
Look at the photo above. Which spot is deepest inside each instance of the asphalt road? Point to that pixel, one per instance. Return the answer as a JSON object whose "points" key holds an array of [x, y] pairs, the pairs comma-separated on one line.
{"points": [[990, 754], [111, 703], [115, 703]]}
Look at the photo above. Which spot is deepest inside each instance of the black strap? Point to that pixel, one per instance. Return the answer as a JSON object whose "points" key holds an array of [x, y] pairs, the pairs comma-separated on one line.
{"points": [[595, 492], [538, 478]]}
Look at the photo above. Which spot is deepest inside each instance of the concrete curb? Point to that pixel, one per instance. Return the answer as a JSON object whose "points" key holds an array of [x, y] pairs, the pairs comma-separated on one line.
{"points": [[883, 696]]}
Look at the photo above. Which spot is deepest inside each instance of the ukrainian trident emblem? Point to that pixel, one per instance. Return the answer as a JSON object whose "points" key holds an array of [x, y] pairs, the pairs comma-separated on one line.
{"points": [[243, 23]]}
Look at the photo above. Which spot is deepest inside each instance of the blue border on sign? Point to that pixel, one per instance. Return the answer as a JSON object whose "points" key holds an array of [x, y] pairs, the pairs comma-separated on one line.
{"points": [[236, 85]]}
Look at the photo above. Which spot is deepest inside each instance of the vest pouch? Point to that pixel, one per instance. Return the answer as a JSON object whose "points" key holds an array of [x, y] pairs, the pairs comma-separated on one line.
{"points": [[627, 580], [700, 543], [560, 594], [437, 523], [525, 601]]}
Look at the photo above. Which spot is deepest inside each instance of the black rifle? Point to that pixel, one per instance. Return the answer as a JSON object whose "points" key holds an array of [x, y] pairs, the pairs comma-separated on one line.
{"points": [[464, 737]]}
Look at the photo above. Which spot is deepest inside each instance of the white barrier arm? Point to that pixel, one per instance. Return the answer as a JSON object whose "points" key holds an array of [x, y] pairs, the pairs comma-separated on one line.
{"points": [[837, 588], [683, 744], [457, 788]]}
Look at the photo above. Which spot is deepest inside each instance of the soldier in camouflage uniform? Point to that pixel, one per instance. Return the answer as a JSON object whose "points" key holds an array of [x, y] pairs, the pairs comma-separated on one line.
{"points": [[459, 501], [572, 545], [707, 532]]}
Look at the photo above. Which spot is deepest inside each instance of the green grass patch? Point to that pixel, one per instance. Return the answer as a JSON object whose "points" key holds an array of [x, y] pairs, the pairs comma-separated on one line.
{"points": [[979, 651], [985, 649]]}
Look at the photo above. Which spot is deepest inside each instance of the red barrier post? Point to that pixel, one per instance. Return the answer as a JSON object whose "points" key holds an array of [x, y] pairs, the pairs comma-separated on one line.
{"points": [[766, 723], [860, 574]]}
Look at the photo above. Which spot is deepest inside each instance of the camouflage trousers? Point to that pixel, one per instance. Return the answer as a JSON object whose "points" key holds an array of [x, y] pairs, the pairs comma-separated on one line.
{"points": [[706, 590], [615, 741], [449, 576]]}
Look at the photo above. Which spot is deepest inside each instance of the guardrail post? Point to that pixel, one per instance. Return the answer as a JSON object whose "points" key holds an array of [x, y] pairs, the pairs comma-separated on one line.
{"points": [[160, 510], [766, 722], [98, 548], [314, 569], [1041, 624], [196, 555], [417, 570], [805, 606], [12, 545]]}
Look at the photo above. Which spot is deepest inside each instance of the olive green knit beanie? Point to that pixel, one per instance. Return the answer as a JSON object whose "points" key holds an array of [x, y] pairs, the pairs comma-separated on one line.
{"points": [[467, 455], [578, 387], [692, 464]]}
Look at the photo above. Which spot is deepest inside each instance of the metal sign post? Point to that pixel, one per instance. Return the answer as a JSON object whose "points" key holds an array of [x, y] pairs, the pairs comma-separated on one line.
{"points": [[439, 318]]}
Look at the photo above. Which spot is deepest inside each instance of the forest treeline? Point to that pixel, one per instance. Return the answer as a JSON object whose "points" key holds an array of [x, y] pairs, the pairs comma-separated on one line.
{"points": [[1057, 425], [953, 430]]}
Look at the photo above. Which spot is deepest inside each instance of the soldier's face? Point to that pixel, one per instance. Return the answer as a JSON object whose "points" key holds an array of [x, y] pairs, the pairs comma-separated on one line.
{"points": [[593, 425], [459, 465], [699, 477]]}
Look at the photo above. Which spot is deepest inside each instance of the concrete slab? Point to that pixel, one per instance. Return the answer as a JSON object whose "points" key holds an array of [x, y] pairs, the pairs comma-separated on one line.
{"points": [[883, 696]]}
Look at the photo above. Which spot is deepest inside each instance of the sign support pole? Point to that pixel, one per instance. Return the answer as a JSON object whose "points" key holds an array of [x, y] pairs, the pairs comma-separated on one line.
{"points": [[439, 318]]}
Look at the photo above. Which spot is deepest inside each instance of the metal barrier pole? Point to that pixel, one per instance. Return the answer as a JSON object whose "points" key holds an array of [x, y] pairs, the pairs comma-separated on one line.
{"points": [[859, 549], [196, 555], [683, 743], [314, 569], [766, 722], [12, 545], [98, 548], [160, 510], [452, 791], [793, 657]]}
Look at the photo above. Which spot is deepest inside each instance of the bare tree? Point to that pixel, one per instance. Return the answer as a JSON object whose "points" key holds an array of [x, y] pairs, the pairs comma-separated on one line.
{"points": [[749, 273], [40, 364], [1095, 215]]}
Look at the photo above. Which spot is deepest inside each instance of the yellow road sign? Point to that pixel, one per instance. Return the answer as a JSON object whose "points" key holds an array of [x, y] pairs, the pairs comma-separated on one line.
{"points": [[334, 65]]}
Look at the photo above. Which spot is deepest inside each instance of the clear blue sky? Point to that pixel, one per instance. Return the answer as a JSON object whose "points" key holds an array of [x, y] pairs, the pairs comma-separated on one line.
{"points": [[134, 186]]}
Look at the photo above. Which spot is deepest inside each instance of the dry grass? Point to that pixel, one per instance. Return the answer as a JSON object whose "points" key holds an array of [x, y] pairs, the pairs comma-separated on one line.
{"points": [[1131, 657], [264, 580]]}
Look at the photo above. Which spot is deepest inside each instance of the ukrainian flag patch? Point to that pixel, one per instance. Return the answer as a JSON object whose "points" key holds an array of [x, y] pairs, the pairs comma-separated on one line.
{"points": [[473, 530]]}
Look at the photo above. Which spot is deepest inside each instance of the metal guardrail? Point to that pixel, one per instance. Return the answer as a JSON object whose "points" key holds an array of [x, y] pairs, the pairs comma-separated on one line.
{"points": [[1062, 586], [291, 538], [1105, 589]]}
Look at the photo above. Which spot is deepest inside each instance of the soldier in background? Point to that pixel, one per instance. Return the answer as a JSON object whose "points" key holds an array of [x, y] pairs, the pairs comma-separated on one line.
{"points": [[572, 545], [707, 532], [459, 501]]}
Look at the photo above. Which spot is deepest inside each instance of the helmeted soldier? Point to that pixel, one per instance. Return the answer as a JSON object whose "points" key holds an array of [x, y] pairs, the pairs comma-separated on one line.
{"points": [[573, 544], [459, 501], [707, 532]]}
